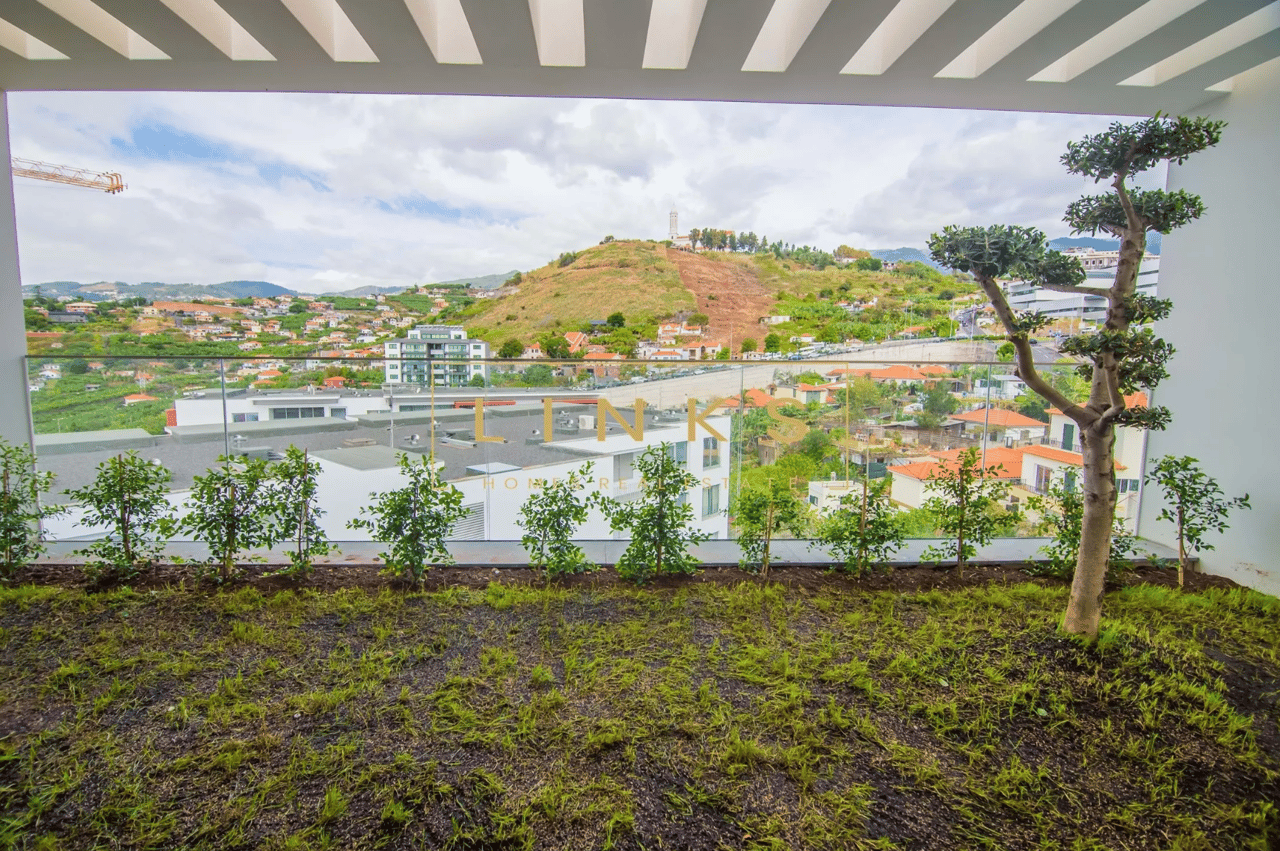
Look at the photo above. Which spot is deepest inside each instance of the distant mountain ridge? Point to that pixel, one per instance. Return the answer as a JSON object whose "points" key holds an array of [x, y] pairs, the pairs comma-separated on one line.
{"points": [[152, 290], [904, 255], [1062, 243]]}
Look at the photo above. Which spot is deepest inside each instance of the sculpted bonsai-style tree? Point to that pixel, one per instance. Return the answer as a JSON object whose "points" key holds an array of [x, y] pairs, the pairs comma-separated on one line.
{"points": [[1123, 356]]}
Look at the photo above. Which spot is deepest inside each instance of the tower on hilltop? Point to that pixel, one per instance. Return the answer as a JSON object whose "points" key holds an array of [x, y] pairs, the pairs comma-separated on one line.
{"points": [[673, 223]]}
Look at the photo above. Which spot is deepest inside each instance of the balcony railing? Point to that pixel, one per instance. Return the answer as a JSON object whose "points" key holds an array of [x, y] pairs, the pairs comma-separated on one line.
{"points": [[520, 422]]}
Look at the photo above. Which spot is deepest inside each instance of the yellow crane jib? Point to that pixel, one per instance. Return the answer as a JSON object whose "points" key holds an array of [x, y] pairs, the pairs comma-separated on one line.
{"points": [[107, 181]]}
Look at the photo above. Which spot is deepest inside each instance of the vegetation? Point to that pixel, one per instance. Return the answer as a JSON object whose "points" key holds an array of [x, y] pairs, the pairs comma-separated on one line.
{"points": [[966, 502], [550, 517], [232, 510], [296, 498], [660, 521], [1122, 357], [21, 539], [413, 521], [1193, 503], [1061, 510], [865, 530], [712, 716], [762, 511], [129, 499]]}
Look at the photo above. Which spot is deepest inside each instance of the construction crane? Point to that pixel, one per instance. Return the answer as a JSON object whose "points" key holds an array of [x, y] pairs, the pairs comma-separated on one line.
{"points": [[108, 181]]}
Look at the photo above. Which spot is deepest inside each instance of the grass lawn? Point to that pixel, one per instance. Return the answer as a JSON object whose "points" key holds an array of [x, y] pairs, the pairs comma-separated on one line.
{"points": [[701, 716]]}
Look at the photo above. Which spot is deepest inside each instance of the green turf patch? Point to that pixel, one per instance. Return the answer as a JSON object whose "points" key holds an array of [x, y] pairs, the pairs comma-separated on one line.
{"points": [[749, 716]]}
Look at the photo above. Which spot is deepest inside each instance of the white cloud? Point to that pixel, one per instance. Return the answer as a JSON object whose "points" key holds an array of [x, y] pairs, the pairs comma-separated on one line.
{"points": [[324, 192]]}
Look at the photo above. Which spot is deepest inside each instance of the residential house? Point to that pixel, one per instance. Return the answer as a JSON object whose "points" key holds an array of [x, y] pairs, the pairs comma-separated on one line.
{"points": [[909, 486], [577, 341], [1001, 425]]}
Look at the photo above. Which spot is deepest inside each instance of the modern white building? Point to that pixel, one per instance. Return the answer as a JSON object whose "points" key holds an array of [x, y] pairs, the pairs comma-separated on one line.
{"points": [[439, 355], [1215, 58], [502, 478], [1030, 298]]}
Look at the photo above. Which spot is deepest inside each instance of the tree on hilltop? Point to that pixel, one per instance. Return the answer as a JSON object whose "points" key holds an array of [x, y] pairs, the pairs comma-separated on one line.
{"points": [[1123, 356]]}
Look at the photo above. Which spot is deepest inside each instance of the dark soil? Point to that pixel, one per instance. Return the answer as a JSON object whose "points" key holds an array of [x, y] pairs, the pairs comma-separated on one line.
{"points": [[369, 576]]}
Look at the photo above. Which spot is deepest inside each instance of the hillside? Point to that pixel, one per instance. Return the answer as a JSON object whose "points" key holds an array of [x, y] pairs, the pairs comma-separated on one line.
{"points": [[649, 283], [639, 279]]}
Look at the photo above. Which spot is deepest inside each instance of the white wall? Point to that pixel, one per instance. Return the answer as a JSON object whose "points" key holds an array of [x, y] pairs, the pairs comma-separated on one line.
{"points": [[906, 490], [1220, 272], [15, 417]]}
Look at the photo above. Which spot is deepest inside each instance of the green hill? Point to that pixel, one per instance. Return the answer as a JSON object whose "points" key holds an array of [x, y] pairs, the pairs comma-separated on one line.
{"points": [[649, 283]]}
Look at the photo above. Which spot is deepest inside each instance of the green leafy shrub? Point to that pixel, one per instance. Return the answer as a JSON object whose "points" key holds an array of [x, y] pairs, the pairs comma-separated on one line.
{"points": [[865, 530], [659, 522], [965, 500], [762, 511], [1061, 512], [129, 498], [21, 538], [549, 517], [1193, 503], [414, 520], [297, 506], [231, 510]]}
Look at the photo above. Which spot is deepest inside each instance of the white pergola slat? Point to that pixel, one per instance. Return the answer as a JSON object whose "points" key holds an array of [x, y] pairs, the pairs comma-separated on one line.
{"points": [[1119, 56]]}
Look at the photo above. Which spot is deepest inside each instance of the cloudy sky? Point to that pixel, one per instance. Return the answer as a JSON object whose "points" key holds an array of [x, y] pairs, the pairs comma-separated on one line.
{"points": [[330, 192]]}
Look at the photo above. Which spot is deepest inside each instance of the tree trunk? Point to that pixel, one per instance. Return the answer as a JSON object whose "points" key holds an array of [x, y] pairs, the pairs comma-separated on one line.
{"points": [[1084, 610], [1182, 550], [768, 533]]}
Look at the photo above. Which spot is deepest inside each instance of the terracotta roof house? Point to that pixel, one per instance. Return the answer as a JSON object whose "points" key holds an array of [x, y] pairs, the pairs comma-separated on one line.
{"points": [[755, 398]]}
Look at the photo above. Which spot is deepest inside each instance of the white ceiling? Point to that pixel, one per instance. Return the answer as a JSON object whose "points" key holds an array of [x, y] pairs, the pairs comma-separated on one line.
{"points": [[1102, 56]]}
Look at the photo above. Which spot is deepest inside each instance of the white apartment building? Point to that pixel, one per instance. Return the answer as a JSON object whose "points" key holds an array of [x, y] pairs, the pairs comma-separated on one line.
{"points": [[1024, 296], [445, 351]]}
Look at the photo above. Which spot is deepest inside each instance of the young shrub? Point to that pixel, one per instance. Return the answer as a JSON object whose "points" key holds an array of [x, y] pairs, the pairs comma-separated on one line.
{"points": [[1062, 513], [1193, 502], [760, 513], [297, 505], [232, 509], [965, 496], [549, 518], [128, 498], [659, 521], [414, 520], [20, 510], [865, 530]]}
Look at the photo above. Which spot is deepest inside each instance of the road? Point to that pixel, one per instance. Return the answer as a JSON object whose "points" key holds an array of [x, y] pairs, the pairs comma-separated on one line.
{"points": [[721, 380]]}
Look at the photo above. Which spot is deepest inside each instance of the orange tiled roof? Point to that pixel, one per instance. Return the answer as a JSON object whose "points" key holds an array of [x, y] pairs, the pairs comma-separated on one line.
{"points": [[999, 417], [1055, 454], [898, 372], [1008, 460], [755, 399], [920, 470]]}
